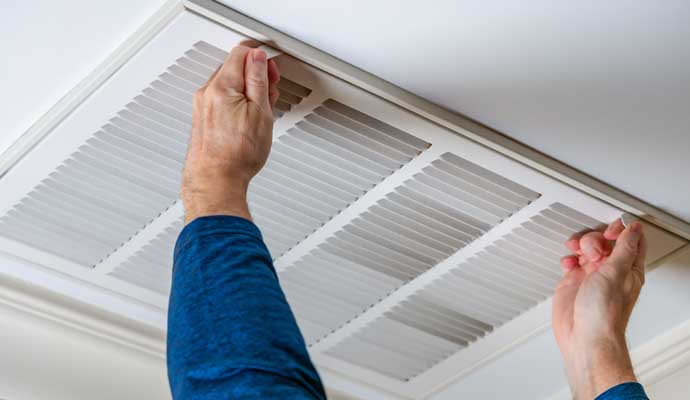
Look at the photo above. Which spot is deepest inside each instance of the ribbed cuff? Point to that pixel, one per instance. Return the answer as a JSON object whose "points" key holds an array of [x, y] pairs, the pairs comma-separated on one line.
{"points": [[627, 391], [213, 225]]}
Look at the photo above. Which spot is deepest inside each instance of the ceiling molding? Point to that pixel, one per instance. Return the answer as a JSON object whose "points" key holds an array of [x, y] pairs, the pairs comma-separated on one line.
{"points": [[113, 328], [657, 359]]}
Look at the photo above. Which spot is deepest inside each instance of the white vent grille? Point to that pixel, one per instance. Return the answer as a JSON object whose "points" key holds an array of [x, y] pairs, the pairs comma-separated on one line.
{"points": [[127, 173], [425, 220], [322, 165], [487, 290], [151, 266]]}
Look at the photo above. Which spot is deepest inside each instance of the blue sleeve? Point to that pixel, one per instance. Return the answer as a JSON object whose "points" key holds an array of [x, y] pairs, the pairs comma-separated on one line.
{"points": [[231, 333], [624, 391]]}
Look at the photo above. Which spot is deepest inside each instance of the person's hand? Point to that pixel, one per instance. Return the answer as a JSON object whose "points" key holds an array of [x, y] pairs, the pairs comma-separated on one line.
{"points": [[593, 303], [232, 128]]}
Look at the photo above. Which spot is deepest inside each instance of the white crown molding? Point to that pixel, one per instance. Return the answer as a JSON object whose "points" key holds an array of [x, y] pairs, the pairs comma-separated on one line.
{"points": [[656, 359], [95, 321]]}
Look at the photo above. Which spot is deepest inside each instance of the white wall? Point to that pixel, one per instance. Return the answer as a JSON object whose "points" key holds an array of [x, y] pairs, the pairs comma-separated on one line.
{"points": [[40, 360]]}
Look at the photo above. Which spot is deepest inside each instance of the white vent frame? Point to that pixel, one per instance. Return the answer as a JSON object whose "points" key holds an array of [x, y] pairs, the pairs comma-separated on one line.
{"points": [[475, 142]]}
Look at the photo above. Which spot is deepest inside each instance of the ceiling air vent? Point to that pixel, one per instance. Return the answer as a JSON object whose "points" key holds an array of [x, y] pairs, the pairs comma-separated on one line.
{"points": [[409, 252]]}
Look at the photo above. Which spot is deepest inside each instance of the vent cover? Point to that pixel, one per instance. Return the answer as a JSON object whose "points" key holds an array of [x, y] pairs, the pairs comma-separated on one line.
{"points": [[408, 252], [484, 292]]}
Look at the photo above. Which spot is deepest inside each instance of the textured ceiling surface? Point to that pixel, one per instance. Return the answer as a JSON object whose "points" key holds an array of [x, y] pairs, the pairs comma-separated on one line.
{"points": [[602, 86]]}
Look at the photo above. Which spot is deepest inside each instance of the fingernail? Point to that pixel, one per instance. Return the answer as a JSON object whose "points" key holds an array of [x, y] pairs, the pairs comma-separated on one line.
{"points": [[258, 56], [636, 227], [627, 219]]}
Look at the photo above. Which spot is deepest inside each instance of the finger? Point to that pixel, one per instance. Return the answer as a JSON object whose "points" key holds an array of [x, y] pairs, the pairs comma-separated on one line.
{"points": [[614, 230], [626, 251], [256, 78], [640, 260], [273, 79], [569, 262], [573, 244], [250, 43], [593, 246], [195, 138], [230, 76]]}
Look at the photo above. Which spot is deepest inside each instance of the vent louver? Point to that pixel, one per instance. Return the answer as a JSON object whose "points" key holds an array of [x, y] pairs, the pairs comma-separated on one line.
{"points": [[482, 293], [151, 266], [127, 173], [322, 165], [425, 220]]}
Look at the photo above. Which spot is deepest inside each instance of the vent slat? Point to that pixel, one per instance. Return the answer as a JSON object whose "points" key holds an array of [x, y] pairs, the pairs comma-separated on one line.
{"points": [[212, 51], [293, 88], [201, 58], [174, 156], [154, 126], [492, 177], [178, 83], [335, 158], [381, 126], [192, 65], [401, 148], [347, 144], [174, 92], [187, 75], [339, 173], [163, 98]]}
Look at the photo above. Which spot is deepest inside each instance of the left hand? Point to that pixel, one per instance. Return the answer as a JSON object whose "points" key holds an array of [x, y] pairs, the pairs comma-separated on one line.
{"points": [[593, 303]]}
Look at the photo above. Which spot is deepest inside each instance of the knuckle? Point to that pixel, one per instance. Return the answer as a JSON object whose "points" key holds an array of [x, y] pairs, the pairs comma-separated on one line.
{"points": [[630, 247], [213, 93], [199, 94], [256, 81]]}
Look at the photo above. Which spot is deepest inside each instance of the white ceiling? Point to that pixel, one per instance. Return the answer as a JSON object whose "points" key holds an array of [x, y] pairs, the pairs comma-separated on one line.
{"points": [[48, 46], [602, 85]]}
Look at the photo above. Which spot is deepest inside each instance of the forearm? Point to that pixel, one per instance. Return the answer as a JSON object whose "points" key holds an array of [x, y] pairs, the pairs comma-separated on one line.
{"points": [[593, 368], [229, 325]]}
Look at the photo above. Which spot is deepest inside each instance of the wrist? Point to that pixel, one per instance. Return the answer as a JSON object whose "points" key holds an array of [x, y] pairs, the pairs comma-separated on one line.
{"points": [[599, 364], [216, 202]]}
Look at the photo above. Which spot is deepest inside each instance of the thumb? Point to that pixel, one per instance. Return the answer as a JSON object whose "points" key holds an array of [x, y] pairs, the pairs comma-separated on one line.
{"points": [[256, 78], [625, 251]]}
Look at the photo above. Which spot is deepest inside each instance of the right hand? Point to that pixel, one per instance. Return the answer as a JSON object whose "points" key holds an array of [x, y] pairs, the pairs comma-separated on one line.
{"points": [[593, 303], [232, 128]]}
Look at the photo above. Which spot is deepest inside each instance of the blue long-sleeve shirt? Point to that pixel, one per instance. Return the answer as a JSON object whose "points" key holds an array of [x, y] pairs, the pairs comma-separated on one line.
{"points": [[231, 334]]}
